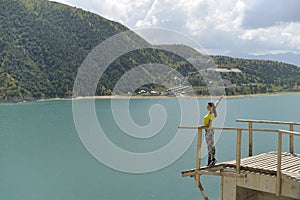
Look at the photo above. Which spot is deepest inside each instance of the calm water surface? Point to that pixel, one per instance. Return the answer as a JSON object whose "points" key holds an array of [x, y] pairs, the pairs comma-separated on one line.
{"points": [[42, 157]]}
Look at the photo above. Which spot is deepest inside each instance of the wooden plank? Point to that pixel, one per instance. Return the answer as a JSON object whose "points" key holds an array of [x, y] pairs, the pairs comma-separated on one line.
{"points": [[230, 129], [190, 173], [289, 132], [287, 158], [264, 162], [197, 179], [217, 167], [202, 191], [199, 143], [188, 127], [292, 139], [228, 162], [215, 173], [261, 159], [296, 170], [294, 176], [293, 168], [222, 188], [251, 163], [254, 164], [261, 162], [272, 166], [287, 168], [198, 156], [255, 158], [297, 166], [287, 165], [267, 121], [278, 178], [288, 176], [290, 165], [238, 150], [250, 126], [250, 169]]}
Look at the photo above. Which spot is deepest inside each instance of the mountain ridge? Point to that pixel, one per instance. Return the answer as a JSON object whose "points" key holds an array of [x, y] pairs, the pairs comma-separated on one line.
{"points": [[43, 43]]}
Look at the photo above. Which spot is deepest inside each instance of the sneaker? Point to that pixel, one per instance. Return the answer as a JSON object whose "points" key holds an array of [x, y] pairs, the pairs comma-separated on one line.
{"points": [[213, 162], [208, 163]]}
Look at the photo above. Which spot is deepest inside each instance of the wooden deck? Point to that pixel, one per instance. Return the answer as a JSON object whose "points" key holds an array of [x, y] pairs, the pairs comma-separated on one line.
{"points": [[265, 163], [244, 178]]}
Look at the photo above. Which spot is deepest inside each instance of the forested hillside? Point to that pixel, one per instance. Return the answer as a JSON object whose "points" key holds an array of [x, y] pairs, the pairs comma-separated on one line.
{"points": [[260, 76], [43, 43]]}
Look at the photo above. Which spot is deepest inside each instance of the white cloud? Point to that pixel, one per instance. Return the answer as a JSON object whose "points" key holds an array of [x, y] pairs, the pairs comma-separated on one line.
{"points": [[226, 26], [124, 11], [284, 38], [266, 52]]}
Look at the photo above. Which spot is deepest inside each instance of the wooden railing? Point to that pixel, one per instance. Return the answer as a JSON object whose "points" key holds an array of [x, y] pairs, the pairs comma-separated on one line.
{"points": [[250, 126], [238, 148], [238, 142], [278, 178]]}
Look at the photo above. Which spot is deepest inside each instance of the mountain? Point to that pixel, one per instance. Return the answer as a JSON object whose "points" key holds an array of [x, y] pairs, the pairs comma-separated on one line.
{"points": [[259, 76], [290, 58], [43, 44]]}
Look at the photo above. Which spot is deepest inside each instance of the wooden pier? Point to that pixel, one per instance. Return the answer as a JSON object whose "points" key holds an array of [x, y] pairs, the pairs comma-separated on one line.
{"points": [[269, 175]]}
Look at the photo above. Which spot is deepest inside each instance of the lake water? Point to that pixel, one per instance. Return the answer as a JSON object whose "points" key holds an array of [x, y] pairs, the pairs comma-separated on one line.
{"points": [[42, 156]]}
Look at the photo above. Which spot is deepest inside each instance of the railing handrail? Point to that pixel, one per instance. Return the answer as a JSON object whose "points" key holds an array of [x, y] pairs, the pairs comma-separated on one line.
{"points": [[267, 121], [252, 121], [230, 128], [289, 132], [244, 129], [238, 147]]}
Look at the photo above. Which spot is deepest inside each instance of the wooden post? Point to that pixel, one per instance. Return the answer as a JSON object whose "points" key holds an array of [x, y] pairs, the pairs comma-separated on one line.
{"points": [[250, 138], [198, 156], [204, 195], [278, 178], [238, 150], [222, 188], [291, 139]]}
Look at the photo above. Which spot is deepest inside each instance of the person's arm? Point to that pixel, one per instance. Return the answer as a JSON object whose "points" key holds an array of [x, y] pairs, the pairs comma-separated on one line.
{"points": [[218, 101]]}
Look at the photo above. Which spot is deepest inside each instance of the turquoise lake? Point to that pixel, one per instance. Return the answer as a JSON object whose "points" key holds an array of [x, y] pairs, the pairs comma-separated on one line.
{"points": [[42, 156]]}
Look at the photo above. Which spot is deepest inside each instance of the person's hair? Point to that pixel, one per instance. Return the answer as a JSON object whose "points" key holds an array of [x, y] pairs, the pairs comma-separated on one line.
{"points": [[211, 104]]}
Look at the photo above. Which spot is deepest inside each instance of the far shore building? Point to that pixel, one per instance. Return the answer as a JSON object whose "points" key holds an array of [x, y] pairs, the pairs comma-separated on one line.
{"points": [[226, 69]]}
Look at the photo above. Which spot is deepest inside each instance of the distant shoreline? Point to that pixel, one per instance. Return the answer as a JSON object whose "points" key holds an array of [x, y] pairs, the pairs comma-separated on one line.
{"points": [[168, 97], [149, 97]]}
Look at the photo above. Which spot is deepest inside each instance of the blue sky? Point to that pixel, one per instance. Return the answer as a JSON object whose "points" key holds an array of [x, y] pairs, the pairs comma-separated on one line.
{"points": [[263, 29]]}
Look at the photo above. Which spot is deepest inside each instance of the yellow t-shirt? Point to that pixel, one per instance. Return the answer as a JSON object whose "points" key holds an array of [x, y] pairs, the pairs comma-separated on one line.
{"points": [[209, 116]]}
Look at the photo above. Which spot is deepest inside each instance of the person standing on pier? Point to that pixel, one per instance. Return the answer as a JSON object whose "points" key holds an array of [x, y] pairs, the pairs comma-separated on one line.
{"points": [[209, 132]]}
